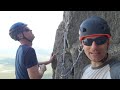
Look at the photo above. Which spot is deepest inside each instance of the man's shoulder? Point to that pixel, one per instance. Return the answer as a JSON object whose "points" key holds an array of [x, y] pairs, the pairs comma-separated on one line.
{"points": [[87, 66], [114, 62], [26, 47], [115, 69]]}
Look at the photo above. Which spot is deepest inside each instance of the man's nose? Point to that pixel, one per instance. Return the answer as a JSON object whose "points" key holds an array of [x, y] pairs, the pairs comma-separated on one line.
{"points": [[94, 45]]}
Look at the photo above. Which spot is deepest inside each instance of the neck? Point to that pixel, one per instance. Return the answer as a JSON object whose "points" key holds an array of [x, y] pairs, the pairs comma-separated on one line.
{"points": [[25, 42], [97, 64]]}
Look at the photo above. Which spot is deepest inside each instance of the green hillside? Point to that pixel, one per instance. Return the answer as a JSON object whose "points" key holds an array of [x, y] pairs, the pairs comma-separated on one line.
{"points": [[7, 69]]}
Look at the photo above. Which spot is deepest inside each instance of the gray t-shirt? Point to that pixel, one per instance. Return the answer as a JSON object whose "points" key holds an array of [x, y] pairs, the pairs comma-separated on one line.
{"points": [[109, 70]]}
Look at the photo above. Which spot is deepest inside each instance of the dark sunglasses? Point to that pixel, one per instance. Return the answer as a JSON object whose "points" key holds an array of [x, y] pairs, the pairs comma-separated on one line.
{"points": [[98, 41], [27, 30]]}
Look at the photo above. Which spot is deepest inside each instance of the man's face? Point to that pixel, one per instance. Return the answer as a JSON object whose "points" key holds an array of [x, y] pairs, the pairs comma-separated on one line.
{"points": [[28, 34], [95, 47]]}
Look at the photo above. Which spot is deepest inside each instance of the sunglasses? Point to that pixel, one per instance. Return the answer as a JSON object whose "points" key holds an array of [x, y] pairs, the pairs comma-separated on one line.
{"points": [[98, 41], [27, 30]]}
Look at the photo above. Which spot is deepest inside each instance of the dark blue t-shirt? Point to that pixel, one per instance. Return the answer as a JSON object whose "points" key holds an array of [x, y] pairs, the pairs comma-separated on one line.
{"points": [[25, 58]]}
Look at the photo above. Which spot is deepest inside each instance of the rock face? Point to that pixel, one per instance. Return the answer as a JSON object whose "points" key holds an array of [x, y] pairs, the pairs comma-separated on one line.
{"points": [[68, 63]]}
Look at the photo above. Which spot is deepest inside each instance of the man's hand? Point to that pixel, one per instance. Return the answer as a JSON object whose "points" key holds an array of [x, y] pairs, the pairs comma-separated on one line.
{"points": [[42, 68], [53, 56]]}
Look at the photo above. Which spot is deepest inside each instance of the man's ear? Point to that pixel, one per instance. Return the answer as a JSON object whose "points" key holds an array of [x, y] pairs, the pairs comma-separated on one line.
{"points": [[108, 43], [20, 35], [81, 45]]}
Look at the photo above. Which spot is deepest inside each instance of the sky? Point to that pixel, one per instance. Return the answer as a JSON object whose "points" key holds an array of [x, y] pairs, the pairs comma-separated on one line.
{"points": [[42, 23]]}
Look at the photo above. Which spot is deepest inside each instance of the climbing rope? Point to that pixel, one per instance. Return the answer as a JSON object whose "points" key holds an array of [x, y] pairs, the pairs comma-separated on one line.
{"points": [[63, 54], [63, 60]]}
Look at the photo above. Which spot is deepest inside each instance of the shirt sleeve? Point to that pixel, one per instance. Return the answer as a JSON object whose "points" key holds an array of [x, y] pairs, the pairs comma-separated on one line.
{"points": [[115, 71], [30, 58]]}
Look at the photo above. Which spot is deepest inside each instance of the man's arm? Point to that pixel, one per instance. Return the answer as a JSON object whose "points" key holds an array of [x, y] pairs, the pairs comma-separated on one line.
{"points": [[35, 73], [49, 61]]}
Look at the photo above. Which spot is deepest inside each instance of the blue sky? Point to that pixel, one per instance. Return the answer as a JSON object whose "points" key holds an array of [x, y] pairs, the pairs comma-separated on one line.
{"points": [[43, 23]]}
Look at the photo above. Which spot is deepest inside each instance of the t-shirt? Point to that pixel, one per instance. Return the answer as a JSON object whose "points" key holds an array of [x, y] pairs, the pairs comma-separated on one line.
{"points": [[109, 70], [25, 58]]}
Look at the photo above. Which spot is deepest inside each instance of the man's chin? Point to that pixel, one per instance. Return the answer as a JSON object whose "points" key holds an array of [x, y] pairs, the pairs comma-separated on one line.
{"points": [[33, 38], [96, 60]]}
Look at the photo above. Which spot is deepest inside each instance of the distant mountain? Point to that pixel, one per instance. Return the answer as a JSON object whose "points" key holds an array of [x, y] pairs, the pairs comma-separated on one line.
{"points": [[8, 61], [11, 60]]}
